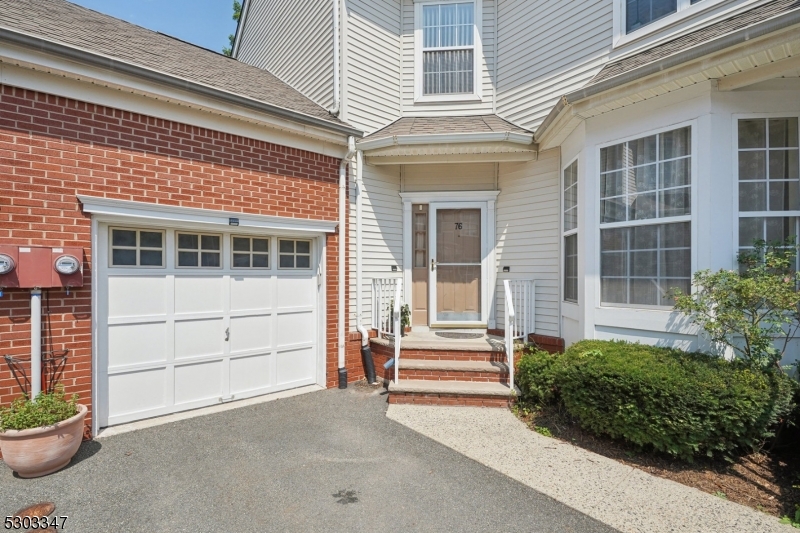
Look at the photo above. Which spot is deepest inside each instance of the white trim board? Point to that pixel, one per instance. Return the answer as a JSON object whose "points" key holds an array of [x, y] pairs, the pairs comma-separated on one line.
{"points": [[111, 209], [459, 196]]}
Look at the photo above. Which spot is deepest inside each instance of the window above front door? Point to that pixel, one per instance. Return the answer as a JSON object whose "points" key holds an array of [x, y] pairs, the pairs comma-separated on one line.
{"points": [[447, 50]]}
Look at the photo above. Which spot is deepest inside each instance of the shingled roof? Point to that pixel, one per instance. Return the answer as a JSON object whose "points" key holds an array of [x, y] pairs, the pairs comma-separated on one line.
{"points": [[446, 125], [704, 35], [65, 23]]}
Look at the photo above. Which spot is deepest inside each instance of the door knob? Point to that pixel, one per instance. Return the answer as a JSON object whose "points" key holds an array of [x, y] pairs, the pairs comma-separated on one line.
{"points": [[227, 334]]}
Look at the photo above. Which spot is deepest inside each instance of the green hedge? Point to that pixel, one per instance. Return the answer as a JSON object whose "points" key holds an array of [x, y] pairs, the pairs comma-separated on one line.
{"points": [[680, 403], [535, 376]]}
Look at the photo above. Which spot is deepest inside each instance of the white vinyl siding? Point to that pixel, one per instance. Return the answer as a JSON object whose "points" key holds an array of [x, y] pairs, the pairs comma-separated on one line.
{"points": [[486, 65], [528, 234], [372, 61], [382, 234], [545, 50], [294, 41], [449, 177]]}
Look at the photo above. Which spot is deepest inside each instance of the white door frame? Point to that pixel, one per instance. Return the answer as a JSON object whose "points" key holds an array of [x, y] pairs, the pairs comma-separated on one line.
{"points": [[485, 201]]}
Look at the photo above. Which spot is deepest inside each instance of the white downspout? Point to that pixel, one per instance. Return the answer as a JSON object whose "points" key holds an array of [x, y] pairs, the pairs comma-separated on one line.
{"points": [[351, 150], [359, 174], [334, 110], [36, 343]]}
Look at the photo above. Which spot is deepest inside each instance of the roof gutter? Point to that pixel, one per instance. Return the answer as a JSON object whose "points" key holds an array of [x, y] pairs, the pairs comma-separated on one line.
{"points": [[337, 98], [446, 138], [115, 65], [774, 24], [240, 28]]}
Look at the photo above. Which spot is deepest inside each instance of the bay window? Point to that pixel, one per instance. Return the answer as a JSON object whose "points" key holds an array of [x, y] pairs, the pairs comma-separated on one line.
{"points": [[571, 232], [769, 180], [645, 219]]}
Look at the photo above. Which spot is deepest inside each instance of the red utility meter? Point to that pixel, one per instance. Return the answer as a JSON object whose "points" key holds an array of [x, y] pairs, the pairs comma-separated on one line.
{"points": [[36, 267]]}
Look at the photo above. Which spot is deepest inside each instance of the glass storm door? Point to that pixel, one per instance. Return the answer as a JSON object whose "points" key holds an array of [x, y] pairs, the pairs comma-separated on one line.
{"points": [[456, 272]]}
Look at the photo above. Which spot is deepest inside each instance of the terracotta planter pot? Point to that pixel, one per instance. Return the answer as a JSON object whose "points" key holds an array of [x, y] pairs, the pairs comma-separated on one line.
{"points": [[41, 451]]}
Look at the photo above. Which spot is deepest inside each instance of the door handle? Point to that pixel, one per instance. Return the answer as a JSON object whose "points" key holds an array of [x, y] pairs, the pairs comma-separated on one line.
{"points": [[227, 333], [433, 264]]}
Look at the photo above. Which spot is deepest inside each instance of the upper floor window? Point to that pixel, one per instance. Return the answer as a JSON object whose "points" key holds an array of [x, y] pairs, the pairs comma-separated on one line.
{"points": [[640, 13], [448, 48]]}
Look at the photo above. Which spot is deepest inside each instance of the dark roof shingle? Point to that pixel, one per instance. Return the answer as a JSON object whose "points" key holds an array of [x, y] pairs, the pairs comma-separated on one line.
{"points": [[690, 40], [68, 24], [443, 125]]}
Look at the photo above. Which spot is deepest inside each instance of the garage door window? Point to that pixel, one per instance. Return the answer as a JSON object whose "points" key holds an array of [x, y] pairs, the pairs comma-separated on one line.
{"points": [[195, 250], [137, 248], [295, 254], [249, 252]]}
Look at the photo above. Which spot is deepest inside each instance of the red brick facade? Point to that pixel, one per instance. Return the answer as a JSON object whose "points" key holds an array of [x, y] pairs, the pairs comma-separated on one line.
{"points": [[53, 148]]}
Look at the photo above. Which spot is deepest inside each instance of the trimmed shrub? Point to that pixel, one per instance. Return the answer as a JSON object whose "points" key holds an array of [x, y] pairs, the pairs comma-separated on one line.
{"points": [[535, 376], [683, 404]]}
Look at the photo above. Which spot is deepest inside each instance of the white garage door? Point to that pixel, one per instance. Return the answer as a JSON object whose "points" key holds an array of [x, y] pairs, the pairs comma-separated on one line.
{"points": [[188, 319]]}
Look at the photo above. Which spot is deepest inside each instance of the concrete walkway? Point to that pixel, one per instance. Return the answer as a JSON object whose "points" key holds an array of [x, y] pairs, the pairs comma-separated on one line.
{"points": [[621, 496]]}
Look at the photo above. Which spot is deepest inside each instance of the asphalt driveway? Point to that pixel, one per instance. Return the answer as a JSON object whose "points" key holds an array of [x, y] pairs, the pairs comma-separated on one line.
{"points": [[324, 461]]}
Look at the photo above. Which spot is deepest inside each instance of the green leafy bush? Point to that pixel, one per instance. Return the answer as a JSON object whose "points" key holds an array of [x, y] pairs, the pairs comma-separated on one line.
{"points": [[535, 376], [683, 404], [48, 409]]}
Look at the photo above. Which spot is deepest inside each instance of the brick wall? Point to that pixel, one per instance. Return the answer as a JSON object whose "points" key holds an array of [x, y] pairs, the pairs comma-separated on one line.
{"points": [[53, 148]]}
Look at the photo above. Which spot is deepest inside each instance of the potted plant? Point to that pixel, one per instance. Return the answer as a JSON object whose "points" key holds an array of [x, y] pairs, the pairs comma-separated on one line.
{"points": [[40, 437], [405, 319]]}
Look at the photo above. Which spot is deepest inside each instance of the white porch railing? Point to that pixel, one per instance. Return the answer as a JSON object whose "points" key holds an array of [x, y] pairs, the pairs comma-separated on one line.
{"points": [[520, 318], [387, 305]]}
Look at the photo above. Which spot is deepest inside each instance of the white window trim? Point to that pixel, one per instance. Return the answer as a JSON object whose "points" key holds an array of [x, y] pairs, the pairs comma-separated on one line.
{"points": [[735, 165], [685, 11], [692, 218], [477, 95], [568, 233]]}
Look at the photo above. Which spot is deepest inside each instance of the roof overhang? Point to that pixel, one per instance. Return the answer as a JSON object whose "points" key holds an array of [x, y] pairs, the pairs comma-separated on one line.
{"points": [[448, 148], [43, 48], [763, 51]]}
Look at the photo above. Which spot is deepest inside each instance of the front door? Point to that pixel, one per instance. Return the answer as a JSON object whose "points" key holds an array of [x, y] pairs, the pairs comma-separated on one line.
{"points": [[456, 246]]}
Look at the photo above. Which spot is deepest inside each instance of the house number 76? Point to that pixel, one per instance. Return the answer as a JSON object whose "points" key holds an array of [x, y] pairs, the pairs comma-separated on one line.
{"points": [[459, 225]]}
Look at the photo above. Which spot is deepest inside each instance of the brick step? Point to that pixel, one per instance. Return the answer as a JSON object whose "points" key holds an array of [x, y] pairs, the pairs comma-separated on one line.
{"points": [[386, 348], [457, 393], [452, 370]]}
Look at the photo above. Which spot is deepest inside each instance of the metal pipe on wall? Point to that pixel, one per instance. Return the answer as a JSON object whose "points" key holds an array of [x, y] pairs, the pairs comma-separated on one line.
{"points": [[36, 343], [342, 242]]}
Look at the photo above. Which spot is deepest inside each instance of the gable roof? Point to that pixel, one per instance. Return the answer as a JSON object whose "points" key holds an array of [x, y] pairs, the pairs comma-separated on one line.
{"points": [[446, 125], [702, 36], [63, 28]]}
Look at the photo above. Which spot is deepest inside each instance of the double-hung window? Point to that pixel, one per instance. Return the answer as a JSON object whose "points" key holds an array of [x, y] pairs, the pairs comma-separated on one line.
{"points": [[639, 13], [571, 232], [448, 52], [769, 180], [645, 219]]}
